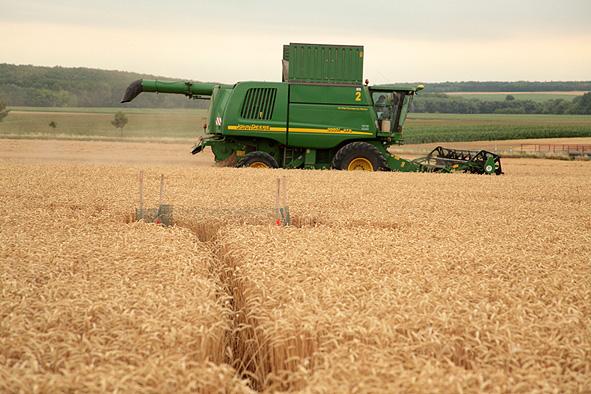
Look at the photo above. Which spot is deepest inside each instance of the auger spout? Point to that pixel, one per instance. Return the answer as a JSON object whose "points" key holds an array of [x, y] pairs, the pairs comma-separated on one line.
{"points": [[188, 88]]}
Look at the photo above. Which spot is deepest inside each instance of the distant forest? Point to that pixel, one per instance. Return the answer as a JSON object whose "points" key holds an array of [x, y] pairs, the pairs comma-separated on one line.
{"points": [[519, 86], [34, 86]]}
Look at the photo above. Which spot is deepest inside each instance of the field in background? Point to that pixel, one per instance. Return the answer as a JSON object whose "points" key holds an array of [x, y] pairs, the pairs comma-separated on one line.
{"points": [[163, 124], [461, 283], [423, 128], [534, 96], [95, 123]]}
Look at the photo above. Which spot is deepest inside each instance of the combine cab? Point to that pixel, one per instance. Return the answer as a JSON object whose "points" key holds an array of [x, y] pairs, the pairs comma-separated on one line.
{"points": [[321, 115]]}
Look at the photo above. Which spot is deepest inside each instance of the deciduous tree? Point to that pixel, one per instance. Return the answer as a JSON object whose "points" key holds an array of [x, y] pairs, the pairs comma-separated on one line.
{"points": [[3, 110], [119, 121]]}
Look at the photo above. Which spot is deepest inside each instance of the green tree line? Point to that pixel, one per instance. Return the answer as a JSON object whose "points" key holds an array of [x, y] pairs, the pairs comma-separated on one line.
{"points": [[34, 86], [441, 103], [517, 86]]}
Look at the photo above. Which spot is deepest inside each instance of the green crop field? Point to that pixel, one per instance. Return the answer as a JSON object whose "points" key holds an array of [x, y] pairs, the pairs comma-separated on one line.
{"points": [[500, 96], [163, 124], [471, 127]]}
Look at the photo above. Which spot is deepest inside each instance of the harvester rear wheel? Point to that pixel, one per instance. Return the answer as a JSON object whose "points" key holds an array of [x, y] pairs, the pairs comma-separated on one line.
{"points": [[359, 156], [258, 159]]}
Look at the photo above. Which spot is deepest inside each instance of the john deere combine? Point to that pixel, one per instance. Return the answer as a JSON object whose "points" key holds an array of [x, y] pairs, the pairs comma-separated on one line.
{"points": [[320, 116]]}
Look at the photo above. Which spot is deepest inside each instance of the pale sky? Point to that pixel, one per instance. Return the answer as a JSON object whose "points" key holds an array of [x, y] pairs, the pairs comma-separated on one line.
{"points": [[229, 41]]}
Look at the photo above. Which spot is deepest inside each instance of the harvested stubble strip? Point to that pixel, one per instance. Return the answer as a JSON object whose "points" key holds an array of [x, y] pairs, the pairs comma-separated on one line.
{"points": [[369, 309], [92, 306]]}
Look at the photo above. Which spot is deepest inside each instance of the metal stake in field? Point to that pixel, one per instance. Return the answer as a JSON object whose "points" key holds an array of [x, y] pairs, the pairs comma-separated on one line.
{"points": [[282, 217], [140, 214], [162, 214], [161, 188]]}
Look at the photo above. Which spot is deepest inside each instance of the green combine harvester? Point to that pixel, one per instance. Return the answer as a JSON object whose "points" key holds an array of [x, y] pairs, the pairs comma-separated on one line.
{"points": [[321, 115]]}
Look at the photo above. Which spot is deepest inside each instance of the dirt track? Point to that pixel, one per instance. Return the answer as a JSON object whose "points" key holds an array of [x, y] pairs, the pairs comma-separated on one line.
{"points": [[102, 152], [178, 154]]}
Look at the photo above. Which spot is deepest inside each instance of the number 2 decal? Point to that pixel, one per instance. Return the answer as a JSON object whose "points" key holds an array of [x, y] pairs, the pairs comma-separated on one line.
{"points": [[357, 96]]}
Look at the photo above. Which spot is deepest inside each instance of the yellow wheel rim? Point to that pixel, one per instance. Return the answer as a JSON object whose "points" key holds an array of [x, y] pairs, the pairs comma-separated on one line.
{"points": [[360, 164], [258, 164]]}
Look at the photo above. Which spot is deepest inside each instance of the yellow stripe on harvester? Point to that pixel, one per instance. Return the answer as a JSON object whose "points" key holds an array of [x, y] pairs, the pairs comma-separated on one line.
{"points": [[256, 127], [328, 131], [265, 128], [352, 108]]}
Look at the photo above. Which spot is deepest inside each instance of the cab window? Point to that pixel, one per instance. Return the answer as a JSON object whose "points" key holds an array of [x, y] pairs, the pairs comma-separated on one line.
{"points": [[387, 106], [382, 104]]}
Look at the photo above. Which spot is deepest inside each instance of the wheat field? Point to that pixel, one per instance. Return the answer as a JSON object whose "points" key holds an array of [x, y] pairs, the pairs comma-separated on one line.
{"points": [[385, 282]]}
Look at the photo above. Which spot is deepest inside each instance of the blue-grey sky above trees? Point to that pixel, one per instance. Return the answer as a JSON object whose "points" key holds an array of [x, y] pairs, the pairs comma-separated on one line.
{"points": [[233, 40]]}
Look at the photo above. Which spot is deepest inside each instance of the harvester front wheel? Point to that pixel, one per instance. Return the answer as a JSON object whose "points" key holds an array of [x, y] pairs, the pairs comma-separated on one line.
{"points": [[359, 156], [258, 159]]}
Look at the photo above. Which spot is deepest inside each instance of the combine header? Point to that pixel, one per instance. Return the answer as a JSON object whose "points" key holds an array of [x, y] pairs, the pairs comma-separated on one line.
{"points": [[474, 162], [321, 115]]}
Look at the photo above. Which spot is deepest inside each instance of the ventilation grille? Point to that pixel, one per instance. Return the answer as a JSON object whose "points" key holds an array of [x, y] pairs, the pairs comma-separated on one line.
{"points": [[259, 103]]}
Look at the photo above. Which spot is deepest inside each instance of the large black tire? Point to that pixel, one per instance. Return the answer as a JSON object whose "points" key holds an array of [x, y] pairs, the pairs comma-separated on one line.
{"points": [[359, 156], [258, 159]]}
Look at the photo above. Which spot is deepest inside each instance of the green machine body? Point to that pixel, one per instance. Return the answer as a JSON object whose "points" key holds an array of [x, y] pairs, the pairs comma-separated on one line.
{"points": [[321, 115]]}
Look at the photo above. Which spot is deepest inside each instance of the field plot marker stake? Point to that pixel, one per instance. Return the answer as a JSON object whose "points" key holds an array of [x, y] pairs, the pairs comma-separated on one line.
{"points": [[287, 221], [281, 209], [277, 208], [159, 213], [141, 215], [161, 188]]}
